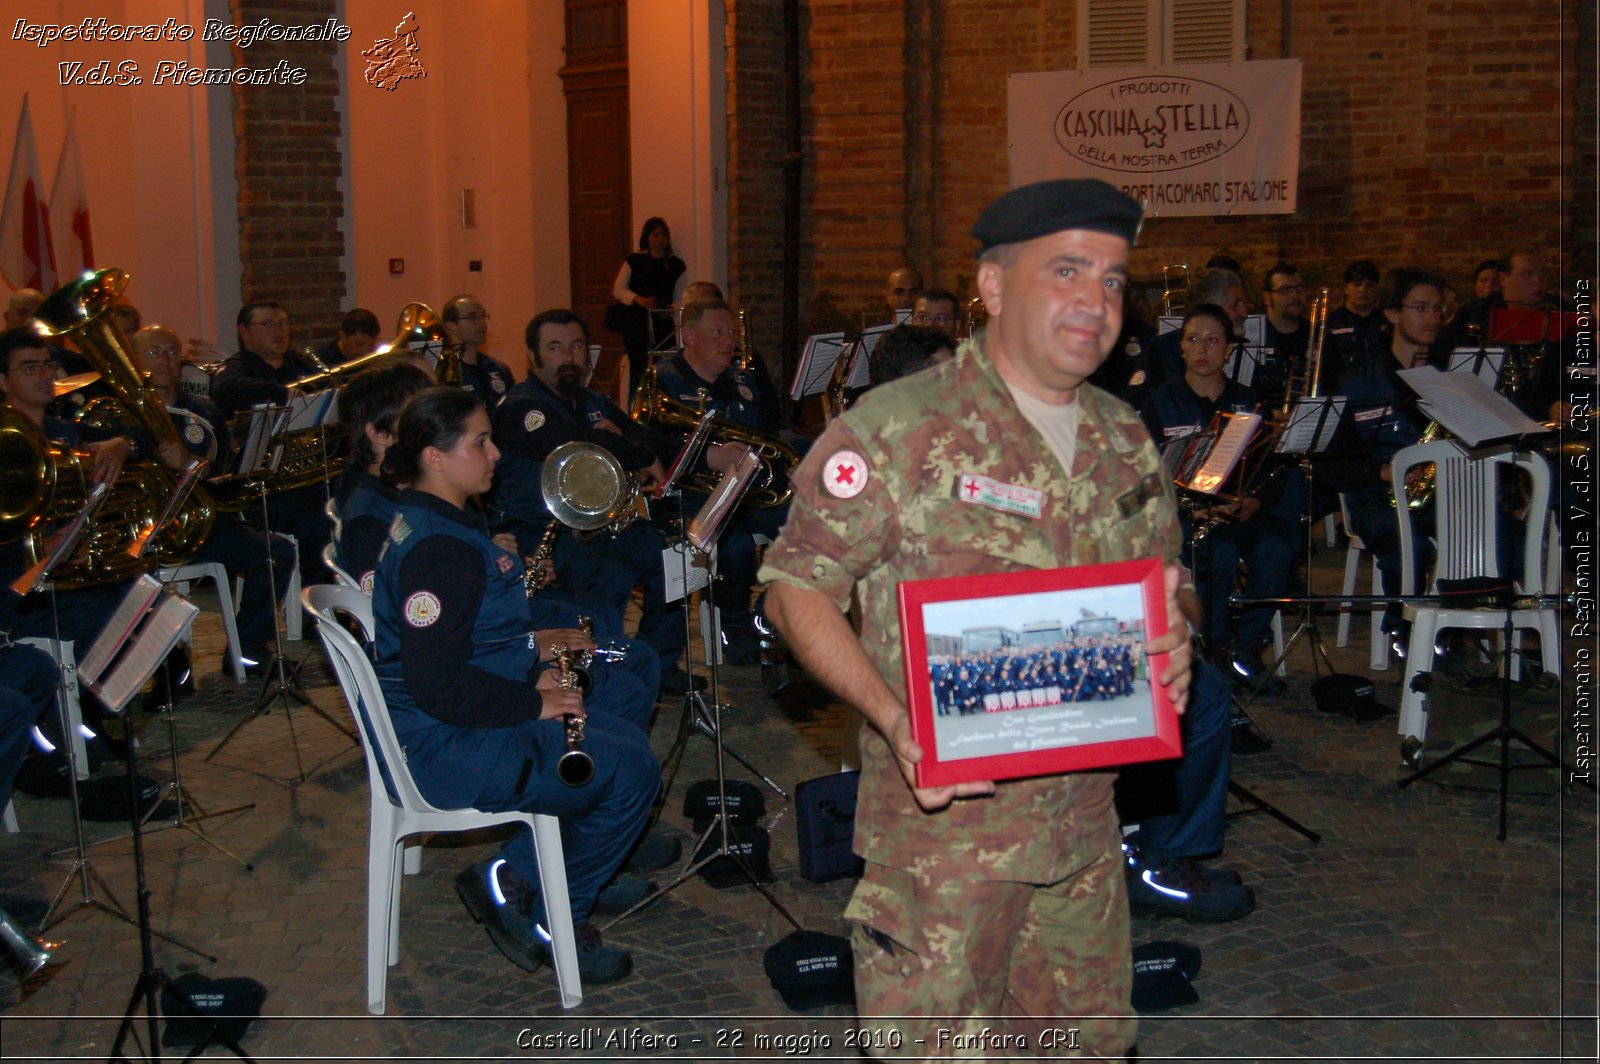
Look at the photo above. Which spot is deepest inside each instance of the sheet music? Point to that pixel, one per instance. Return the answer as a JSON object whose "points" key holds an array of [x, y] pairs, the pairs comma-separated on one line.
{"points": [[1183, 455], [678, 559], [122, 624], [1242, 363], [71, 534], [1484, 361], [1167, 322], [706, 526], [1473, 412], [266, 422], [1308, 430], [861, 373], [310, 411], [816, 364], [691, 449], [1236, 434], [156, 637]]}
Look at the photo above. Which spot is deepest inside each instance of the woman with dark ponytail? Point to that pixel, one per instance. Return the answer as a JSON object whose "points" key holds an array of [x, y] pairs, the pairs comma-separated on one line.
{"points": [[364, 503], [475, 701]]}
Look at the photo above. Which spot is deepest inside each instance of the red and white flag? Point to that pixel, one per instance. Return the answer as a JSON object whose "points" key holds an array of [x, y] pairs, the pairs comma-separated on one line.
{"points": [[69, 209], [27, 259]]}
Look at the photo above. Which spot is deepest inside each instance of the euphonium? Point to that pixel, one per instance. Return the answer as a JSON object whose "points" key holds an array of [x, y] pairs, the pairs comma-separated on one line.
{"points": [[1419, 492], [60, 477], [652, 407], [586, 489], [575, 767]]}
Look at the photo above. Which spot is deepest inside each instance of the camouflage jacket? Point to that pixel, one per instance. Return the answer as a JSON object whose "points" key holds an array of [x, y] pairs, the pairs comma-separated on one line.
{"points": [[879, 499]]}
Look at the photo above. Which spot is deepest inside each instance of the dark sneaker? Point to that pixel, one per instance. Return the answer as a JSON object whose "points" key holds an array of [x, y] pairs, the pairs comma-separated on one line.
{"points": [[623, 893], [656, 849], [1244, 667], [1182, 889], [597, 962], [504, 906], [1220, 876]]}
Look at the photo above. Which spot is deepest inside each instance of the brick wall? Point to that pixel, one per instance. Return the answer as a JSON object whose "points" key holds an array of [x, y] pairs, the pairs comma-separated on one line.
{"points": [[288, 164], [753, 38], [1431, 134]]}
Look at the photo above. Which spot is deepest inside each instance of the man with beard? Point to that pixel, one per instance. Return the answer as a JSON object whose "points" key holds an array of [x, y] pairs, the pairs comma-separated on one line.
{"points": [[1284, 348], [552, 407]]}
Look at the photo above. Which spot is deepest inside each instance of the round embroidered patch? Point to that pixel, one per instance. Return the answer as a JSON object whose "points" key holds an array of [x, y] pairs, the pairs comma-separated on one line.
{"points": [[422, 609], [366, 580], [844, 474], [534, 421], [498, 384], [746, 394], [194, 433]]}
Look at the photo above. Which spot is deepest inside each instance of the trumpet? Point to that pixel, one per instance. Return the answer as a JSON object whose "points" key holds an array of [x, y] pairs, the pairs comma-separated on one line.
{"points": [[576, 767]]}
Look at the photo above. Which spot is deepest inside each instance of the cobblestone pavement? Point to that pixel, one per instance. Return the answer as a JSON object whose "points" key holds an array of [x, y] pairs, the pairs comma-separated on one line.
{"points": [[1409, 932]]}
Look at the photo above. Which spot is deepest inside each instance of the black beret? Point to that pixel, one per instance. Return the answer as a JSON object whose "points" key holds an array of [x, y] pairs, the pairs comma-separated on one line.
{"points": [[1050, 206]]}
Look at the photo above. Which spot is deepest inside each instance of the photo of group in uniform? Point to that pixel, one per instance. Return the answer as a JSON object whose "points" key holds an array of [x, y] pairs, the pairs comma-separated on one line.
{"points": [[1077, 675]]}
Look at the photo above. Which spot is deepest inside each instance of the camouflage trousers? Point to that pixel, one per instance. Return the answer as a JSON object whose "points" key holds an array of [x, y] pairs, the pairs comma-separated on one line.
{"points": [[982, 968]]}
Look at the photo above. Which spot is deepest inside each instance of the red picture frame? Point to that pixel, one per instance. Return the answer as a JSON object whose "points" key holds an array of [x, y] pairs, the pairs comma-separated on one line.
{"points": [[1019, 674]]}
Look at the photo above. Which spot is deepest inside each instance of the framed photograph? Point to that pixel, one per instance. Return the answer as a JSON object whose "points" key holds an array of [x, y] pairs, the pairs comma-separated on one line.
{"points": [[1036, 672]]}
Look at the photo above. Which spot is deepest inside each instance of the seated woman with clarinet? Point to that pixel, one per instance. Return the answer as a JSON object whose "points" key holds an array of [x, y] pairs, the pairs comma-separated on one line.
{"points": [[485, 717]]}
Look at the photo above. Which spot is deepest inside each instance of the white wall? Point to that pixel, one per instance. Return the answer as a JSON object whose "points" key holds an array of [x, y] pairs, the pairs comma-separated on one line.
{"points": [[489, 117], [149, 157], [678, 118]]}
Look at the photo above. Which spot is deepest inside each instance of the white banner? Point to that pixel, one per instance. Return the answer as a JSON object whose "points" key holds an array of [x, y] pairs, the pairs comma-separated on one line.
{"points": [[1195, 139]]}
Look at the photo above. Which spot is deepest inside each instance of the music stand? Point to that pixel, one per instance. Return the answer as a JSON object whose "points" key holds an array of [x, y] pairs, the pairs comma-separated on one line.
{"points": [[700, 537], [1504, 733], [821, 353], [1312, 424], [282, 680], [174, 787]]}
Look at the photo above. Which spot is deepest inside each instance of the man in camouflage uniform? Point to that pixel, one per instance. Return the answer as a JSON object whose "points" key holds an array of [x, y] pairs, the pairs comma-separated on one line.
{"points": [[983, 905]]}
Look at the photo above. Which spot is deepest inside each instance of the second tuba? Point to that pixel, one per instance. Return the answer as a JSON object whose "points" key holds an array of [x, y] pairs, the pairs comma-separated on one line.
{"points": [[80, 312], [653, 407]]}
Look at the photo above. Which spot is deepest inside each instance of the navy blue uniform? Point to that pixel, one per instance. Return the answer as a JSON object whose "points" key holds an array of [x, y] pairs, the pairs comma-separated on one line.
{"points": [[1281, 354], [744, 397], [240, 549], [532, 422], [488, 379], [459, 676], [28, 679], [1350, 336], [246, 380], [1265, 541]]}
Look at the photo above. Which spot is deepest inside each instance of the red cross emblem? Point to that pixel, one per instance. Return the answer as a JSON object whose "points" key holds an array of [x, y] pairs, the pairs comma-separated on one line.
{"points": [[971, 487], [847, 475]]}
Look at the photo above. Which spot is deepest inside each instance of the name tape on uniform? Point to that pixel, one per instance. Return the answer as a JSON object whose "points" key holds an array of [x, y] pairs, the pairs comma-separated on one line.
{"points": [[1007, 498]]}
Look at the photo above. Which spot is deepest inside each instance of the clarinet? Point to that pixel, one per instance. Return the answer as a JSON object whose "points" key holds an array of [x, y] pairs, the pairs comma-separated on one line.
{"points": [[576, 767]]}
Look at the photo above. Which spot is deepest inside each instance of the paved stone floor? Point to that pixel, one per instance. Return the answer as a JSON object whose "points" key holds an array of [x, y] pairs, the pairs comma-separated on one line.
{"points": [[1409, 932]]}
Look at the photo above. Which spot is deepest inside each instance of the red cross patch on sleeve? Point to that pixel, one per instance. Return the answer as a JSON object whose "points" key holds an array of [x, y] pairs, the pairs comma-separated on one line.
{"points": [[844, 474]]}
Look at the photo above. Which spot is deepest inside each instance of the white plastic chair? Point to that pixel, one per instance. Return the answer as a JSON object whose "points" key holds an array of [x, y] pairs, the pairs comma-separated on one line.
{"points": [[9, 818], [1466, 501], [184, 575], [1352, 568], [67, 662], [392, 821], [344, 578]]}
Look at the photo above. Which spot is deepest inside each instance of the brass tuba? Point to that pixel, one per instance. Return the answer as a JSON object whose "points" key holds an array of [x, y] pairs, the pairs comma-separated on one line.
{"points": [[654, 408], [60, 476]]}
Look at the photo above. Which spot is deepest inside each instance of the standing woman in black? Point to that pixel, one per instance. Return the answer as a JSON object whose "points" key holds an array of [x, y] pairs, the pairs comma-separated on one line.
{"points": [[650, 279]]}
